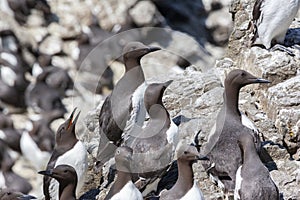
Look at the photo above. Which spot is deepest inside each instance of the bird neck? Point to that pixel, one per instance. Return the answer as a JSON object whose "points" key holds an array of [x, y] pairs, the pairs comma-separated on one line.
{"points": [[67, 192], [67, 141], [122, 179], [250, 156], [231, 100], [131, 64], [185, 179]]}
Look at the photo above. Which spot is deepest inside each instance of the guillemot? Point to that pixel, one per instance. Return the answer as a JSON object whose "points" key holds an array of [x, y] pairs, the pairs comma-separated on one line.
{"points": [[271, 20], [68, 150], [8, 194], [67, 179], [185, 187], [222, 148], [154, 143], [125, 101], [123, 187], [42, 98], [253, 180], [8, 178]]}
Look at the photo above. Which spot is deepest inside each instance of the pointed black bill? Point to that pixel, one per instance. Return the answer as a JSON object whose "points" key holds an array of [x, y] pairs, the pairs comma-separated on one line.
{"points": [[261, 80], [166, 84], [46, 172], [152, 49], [26, 197], [201, 157]]}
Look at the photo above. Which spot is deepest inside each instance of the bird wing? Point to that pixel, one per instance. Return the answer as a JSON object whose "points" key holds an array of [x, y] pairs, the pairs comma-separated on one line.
{"points": [[257, 17]]}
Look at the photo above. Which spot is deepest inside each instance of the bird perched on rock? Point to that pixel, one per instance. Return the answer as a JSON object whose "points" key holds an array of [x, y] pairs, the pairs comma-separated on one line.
{"points": [[185, 186], [42, 98], [8, 178], [7, 194], [153, 144], [253, 180], [125, 101], [8, 134], [57, 78], [271, 20], [12, 71], [222, 148], [123, 187], [67, 179], [68, 150]]}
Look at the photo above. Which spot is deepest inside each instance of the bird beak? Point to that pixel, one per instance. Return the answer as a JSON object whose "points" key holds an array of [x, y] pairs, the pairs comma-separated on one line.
{"points": [[152, 49], [166, 84], [26, 197], [201, 157], [71, 121], [46, 172], [261, 80]]}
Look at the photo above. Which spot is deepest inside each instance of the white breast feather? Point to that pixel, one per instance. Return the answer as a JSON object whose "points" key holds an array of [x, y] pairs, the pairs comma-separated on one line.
{"points": [[128, 192], [2, 135], [238, 184], [248, 123], [193, 194], [172, 134], [275, 19], [10, 58], [8, 76], [32, 152], [2, 180], [138, 113], [77, 158]]}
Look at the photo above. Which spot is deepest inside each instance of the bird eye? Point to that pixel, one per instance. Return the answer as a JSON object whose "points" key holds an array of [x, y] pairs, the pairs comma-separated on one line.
{"points": [[65, 171], [185, 152], [243, 74], [118, 152]]}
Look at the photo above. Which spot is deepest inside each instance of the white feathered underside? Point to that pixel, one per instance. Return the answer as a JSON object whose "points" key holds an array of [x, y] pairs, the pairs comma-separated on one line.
{"points": [[10, 58], [32, 152], [138, 113], [2, 181], [274, 20], [77, 158], [172, 134], [193, 194], [238, 184], [248, 123], [128, 192], [8, 75]]}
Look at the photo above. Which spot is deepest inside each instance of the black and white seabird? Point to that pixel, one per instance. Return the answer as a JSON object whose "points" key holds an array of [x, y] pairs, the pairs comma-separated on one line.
{"points": [[271, 20], [125, 101], [8, 194], [123, 187], [154, 143], [42, 98], [185, 187], [253, 180], [8, 134], [38, 140], [56, 78], [8, 178], [12, 78], [222, 148], [67, 179], [68, 150]]}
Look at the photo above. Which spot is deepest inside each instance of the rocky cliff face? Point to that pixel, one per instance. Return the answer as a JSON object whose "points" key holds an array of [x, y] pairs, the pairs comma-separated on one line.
{"points": [[188, 58], [273, 108]]}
